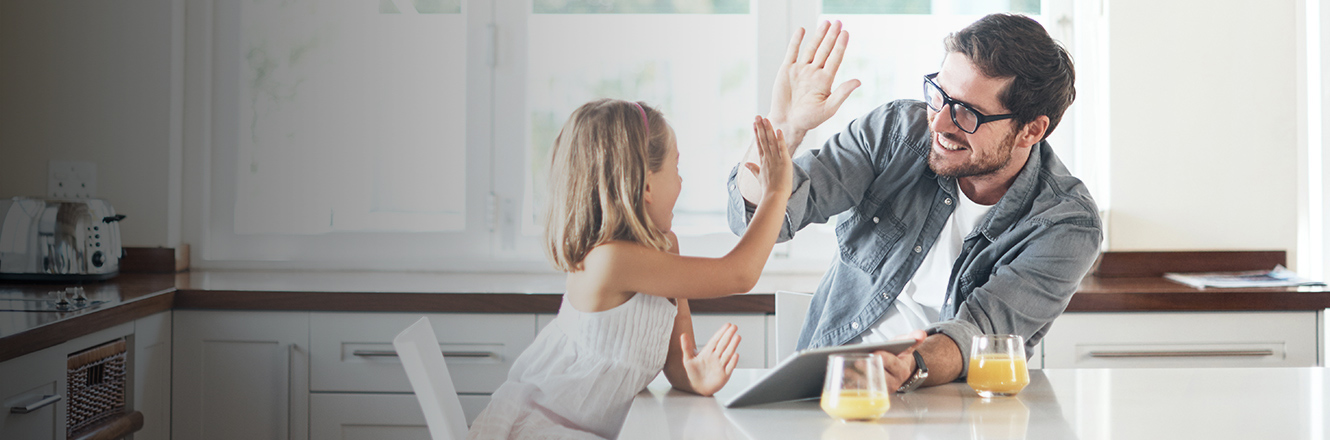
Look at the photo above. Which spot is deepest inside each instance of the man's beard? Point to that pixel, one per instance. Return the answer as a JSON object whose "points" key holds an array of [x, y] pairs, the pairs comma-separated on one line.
{"points": [[977, 165]]}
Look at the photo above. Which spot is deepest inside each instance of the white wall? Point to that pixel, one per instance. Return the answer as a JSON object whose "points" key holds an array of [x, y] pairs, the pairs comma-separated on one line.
{"points": [[92, 81], [1203, 125]]}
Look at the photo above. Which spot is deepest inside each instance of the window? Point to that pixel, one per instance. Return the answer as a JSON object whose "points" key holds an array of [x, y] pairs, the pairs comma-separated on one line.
{"points": [[397, 134]]}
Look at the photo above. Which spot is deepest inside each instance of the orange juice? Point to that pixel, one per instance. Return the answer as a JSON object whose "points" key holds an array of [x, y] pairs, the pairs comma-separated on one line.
{"points": [[997, 375], [856, 404]]}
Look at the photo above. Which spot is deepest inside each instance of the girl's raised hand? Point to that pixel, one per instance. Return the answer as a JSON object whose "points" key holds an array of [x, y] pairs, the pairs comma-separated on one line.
{"points": [[777, 170], [710, 368]]}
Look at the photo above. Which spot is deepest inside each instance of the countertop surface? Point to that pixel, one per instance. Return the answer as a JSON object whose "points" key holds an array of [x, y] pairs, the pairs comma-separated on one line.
{"points": [[30, 321], [1085, 404]]}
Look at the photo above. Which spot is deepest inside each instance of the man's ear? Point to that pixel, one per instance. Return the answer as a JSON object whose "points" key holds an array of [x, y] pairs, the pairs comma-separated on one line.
{"points": [[1033, 132]]}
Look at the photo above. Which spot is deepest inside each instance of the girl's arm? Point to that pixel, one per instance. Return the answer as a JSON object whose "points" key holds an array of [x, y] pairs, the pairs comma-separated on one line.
{"points": [[630, 267], [706, 371]]}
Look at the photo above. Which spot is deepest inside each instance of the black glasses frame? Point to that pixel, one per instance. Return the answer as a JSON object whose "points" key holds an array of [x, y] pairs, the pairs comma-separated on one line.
{"points": [[951, 103]]}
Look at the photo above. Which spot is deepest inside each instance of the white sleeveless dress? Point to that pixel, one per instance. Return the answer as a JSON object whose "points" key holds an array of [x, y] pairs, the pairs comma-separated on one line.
{"points": [[578, 378]]}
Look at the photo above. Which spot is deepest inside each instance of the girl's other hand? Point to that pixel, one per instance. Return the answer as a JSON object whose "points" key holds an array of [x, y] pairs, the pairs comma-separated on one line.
{"points": [[712, 366], [777, 170]]}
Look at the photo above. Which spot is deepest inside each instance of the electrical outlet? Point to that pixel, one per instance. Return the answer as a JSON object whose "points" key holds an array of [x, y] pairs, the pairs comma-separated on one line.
{"points": [[72, 179]]}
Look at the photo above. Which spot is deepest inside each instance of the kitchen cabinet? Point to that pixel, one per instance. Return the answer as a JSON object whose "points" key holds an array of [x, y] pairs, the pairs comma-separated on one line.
{"points": [[151, 364], [240, 375], [376, 416], [38, 382], [353, 353], [1183, 339], [32, 381]]}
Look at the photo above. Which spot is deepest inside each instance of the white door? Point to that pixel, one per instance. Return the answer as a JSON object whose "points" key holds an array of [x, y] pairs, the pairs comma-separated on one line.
{"points": [[240, 375]]}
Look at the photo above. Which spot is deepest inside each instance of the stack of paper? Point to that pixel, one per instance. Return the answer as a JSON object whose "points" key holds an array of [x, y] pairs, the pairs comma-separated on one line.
{"points": [[1277, 277]]}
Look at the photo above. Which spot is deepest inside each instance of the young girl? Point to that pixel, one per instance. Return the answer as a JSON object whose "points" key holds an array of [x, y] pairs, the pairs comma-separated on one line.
{"points": [[614, 180]]}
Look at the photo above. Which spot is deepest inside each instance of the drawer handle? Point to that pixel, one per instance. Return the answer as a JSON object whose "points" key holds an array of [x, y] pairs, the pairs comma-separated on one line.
{"points": [[1182, 353], [39, 404], [447, 354]]}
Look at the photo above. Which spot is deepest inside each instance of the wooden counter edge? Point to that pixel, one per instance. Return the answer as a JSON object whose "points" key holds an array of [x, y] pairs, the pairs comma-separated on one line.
{"points": [[59, 332]]}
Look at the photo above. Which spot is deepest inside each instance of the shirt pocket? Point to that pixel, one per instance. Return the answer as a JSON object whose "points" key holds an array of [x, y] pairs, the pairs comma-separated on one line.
{"points": [[866, 237]]}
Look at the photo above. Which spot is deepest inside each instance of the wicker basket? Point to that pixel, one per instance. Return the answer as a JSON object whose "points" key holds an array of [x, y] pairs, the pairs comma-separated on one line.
{"points": [[96, 386]]}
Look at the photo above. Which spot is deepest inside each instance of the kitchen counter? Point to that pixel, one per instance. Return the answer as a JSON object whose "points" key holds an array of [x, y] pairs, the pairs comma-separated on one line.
{"points": [[1086, 404], [132, 296]]}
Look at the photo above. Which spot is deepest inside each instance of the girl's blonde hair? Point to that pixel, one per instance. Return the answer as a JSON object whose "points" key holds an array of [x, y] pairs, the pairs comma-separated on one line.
{"points": [[598, 173]]}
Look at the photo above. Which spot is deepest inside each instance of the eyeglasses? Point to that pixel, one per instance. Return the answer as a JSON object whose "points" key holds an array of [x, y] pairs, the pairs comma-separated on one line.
{"points": [[966, 118]]}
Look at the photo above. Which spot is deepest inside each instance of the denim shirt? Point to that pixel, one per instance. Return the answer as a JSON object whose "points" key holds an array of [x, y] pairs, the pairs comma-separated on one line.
{"points": [[1016, 272]]}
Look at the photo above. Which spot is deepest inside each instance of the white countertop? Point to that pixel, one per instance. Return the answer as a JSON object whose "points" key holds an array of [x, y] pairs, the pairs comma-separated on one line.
{"points": [[1089, 404]]}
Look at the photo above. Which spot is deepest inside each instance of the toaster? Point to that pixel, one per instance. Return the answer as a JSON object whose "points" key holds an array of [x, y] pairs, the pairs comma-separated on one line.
{"points": [[51, 239]]}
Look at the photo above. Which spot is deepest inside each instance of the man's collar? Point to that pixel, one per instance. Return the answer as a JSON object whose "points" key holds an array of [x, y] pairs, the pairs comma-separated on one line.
{"points": [[1007, 210]]}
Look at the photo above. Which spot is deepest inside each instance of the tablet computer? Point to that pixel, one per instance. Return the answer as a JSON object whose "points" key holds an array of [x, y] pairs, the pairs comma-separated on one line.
{"points": [[800, 376]]}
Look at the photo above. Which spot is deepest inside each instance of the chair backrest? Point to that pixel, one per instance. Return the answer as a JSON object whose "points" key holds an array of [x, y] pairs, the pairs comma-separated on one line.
{"points": [[791, 308], [422, 357]]}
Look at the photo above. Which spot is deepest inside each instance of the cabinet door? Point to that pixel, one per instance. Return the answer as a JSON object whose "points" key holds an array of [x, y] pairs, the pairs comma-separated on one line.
{"points": [[366, 417], [1182, 340], [33, 382], [152, 376], [373, 416], [240, 375]]}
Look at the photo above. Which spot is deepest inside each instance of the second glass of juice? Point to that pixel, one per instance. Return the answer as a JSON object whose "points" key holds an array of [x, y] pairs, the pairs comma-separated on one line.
{"points": [[997, 365], [855, 387]]}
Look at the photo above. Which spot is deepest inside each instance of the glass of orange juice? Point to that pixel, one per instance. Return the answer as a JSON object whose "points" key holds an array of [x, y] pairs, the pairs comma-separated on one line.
{"points": [[997, 365], [855, 387]]}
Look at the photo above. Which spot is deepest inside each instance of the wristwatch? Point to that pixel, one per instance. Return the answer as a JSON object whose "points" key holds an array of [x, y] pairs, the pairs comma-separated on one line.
{"points": [[917, 378]]}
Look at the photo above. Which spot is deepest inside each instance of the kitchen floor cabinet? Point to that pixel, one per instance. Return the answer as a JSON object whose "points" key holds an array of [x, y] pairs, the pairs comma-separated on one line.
{"points": [[30, 381], [240, 375], [38, 383], [353, 352], [366, 417], [152, 376], [1182, 340]]}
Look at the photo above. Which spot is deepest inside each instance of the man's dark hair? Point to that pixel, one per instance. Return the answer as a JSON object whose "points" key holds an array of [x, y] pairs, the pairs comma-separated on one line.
{"points": [[1017, 47]]}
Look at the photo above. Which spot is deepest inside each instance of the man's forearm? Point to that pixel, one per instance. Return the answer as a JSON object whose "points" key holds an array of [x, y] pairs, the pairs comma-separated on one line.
{"points": [[943, 357]]}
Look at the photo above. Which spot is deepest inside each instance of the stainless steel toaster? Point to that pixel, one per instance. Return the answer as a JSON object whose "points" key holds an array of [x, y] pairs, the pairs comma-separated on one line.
{"points": [[51, 239]]}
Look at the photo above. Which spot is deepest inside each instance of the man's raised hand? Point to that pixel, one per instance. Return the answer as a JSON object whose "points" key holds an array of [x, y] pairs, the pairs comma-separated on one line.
{"points": [[802, 98]]}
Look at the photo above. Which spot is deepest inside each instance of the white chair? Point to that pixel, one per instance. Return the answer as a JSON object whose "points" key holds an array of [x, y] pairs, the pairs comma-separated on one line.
{"points": [[791, 308], [419, 351]]}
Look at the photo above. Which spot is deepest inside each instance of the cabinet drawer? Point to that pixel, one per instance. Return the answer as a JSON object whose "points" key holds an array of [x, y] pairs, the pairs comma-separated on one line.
{"points": [[32, 382], [377, 416], [1166, 340], [353, 352]]}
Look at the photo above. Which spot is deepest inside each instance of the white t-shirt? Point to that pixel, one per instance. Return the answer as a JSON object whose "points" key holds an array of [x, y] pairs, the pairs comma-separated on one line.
{"points": [[920, 302]]}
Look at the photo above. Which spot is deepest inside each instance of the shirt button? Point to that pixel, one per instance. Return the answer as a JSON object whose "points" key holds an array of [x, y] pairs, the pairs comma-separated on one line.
{"points": [[918, 249], [875, 220], [854, 325], [947, 201], [886, 295]]}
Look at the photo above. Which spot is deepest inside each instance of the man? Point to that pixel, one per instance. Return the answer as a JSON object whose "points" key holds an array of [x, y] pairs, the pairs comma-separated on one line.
{"points": [[959, 218]]}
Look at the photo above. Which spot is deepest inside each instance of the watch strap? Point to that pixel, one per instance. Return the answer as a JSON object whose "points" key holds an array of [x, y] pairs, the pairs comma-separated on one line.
{"points": [[917, 377]]}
